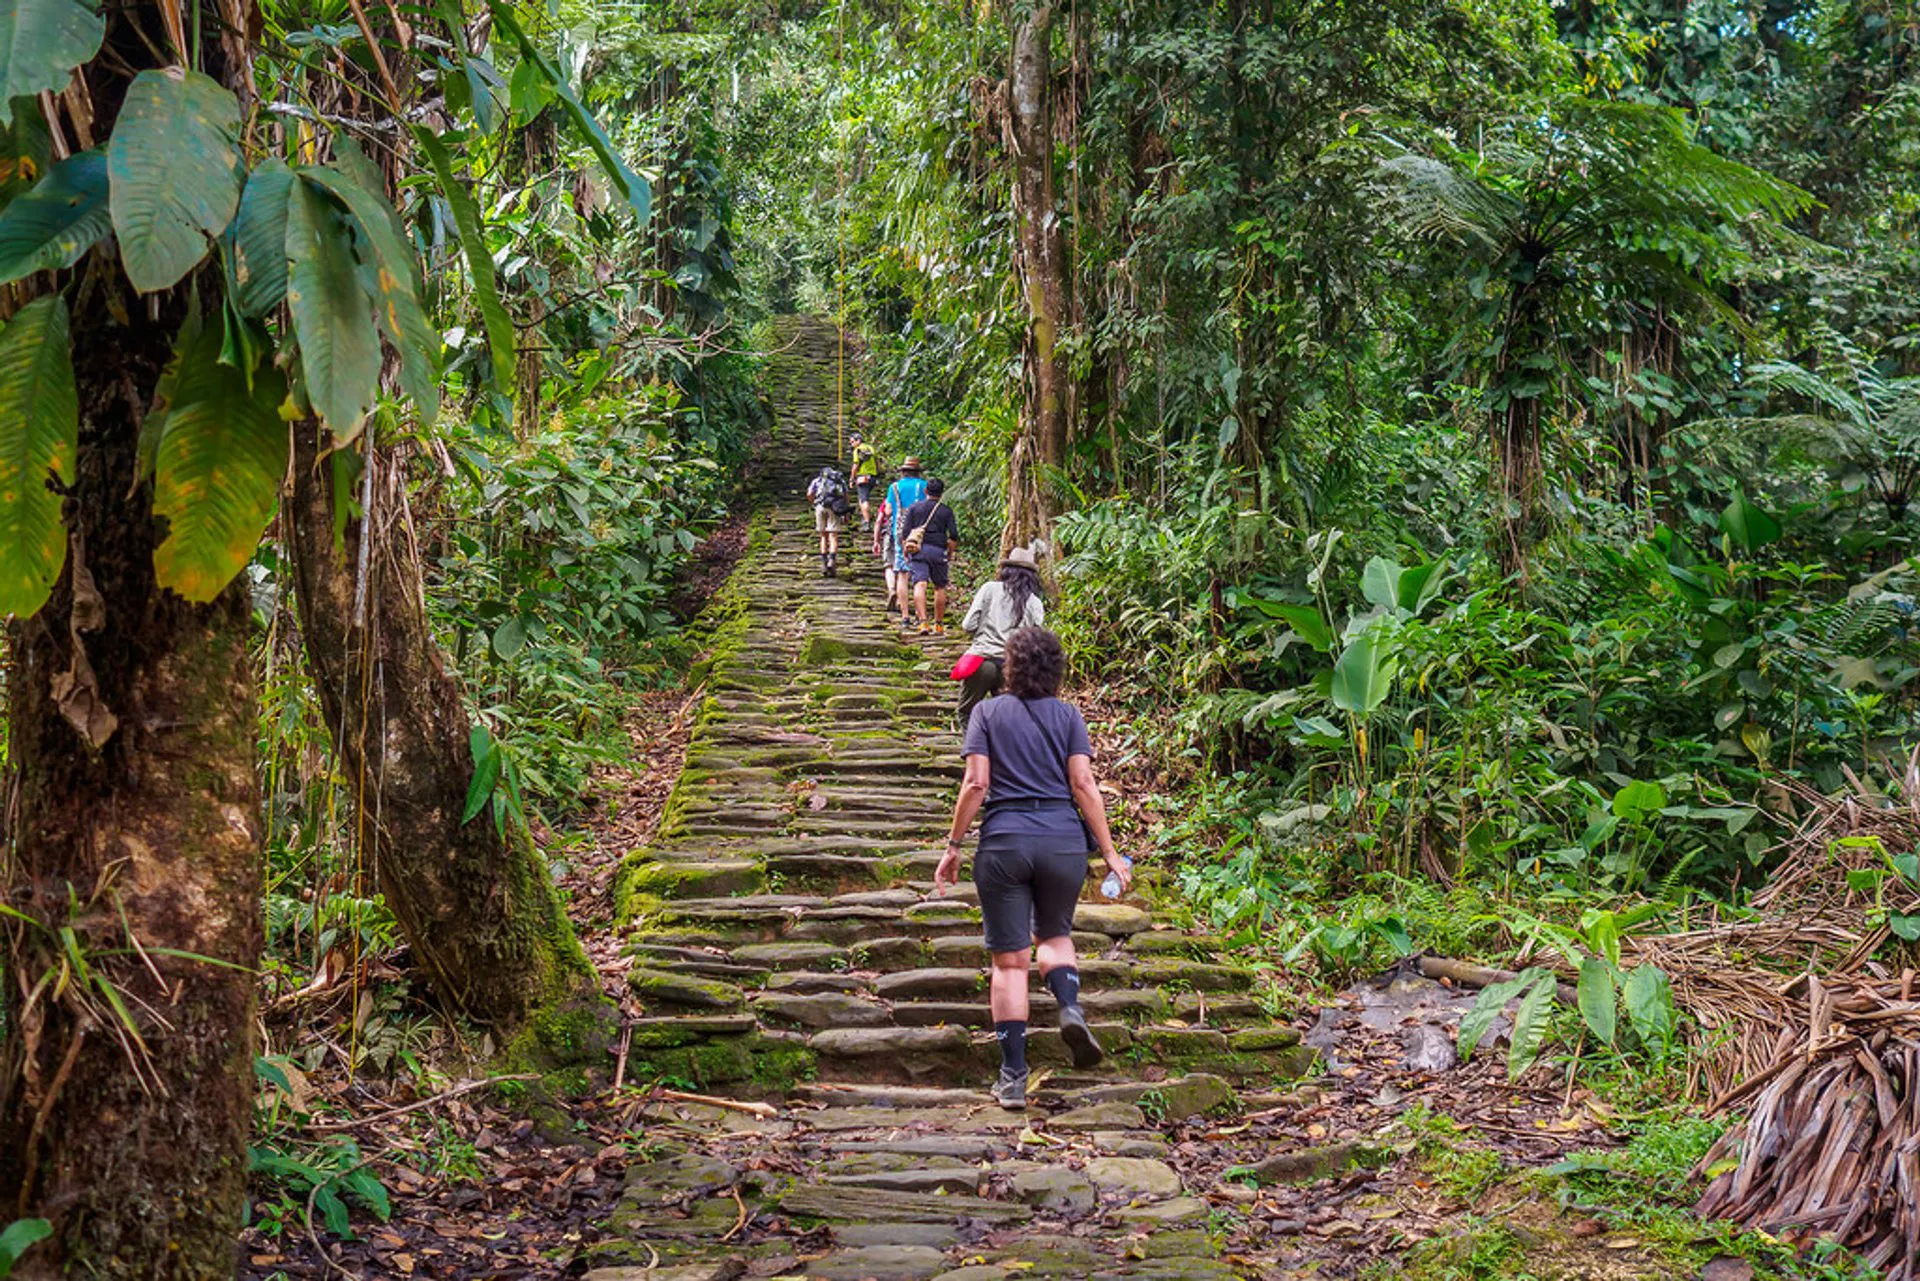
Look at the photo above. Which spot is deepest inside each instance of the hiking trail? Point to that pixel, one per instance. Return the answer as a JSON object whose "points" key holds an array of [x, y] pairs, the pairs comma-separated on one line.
{"points": [[785, 945]]}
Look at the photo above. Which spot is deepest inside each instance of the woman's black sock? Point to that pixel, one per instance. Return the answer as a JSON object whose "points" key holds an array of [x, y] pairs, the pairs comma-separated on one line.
{"points": [[1064, 983], [1013, 1045]]}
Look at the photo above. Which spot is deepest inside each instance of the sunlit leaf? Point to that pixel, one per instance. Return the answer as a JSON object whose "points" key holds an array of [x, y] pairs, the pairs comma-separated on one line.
{"points": [[39, 436], [1363, 674], [220, 459]]}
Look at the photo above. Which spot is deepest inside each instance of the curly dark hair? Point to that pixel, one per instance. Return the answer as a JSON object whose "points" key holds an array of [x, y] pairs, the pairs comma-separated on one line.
{"points": [[1035, 663]]}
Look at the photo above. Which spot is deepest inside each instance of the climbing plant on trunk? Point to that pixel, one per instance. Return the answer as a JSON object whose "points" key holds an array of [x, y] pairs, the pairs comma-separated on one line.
{"points": [[1040, 259]]}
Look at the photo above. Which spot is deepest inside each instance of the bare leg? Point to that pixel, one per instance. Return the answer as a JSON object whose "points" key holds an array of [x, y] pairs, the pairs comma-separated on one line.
{"points": [[901, 578], [940, 606], [1054, 953], [920, 602], [1007, 997]]}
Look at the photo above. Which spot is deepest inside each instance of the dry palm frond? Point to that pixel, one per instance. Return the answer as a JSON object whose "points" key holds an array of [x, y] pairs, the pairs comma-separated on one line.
{"points": [[1825, 1063]]}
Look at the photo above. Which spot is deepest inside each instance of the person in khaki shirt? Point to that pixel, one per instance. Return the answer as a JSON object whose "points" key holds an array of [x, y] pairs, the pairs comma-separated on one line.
{"points": [[1001, 607]]}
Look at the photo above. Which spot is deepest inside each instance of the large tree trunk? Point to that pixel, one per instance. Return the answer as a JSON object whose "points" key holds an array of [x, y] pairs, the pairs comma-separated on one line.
{"points": [[147, 846], [130, 843], [1040, 258], [478, 908]]}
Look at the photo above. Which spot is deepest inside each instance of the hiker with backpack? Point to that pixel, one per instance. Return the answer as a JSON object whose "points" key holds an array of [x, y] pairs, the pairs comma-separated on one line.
{"points": [[902, 494], [1001, 607], [933, 535], [865, 468], [828, 494], [1030, 761]]}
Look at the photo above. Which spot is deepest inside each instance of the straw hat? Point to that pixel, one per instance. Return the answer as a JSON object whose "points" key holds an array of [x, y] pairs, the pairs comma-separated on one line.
{"points": [[1020, 556], [910, 463]]}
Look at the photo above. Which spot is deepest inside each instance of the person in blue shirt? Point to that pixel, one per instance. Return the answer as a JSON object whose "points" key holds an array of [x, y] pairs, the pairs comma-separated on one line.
{"points": [[902, 494]]}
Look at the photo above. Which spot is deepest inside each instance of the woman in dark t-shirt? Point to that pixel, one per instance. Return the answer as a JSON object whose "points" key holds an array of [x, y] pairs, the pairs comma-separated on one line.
{"points": [[1029, 760]]}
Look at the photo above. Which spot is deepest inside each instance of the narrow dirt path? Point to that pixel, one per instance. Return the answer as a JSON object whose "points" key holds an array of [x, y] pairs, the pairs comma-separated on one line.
{"points": [[785, 945]]}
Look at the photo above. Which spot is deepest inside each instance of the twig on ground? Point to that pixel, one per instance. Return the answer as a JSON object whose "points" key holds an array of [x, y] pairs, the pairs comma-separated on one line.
{"points": [[467, 1088], [762, 1110]]}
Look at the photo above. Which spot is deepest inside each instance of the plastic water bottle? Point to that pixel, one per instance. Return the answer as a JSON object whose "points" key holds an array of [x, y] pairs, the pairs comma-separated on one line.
{"points": [[1111, 887]]}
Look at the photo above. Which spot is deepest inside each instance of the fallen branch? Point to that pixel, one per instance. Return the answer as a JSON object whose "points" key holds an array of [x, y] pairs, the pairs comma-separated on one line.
{"points": [[1467, 974], [467, 1088], [761, 1110]]}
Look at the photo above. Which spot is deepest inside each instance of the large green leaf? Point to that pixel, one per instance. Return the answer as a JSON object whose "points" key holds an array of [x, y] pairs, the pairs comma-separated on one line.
{"points": [[1487, 1006], [221, 456], [1530, 1026], [27, 149], [486, 293], [60, 219], [1599, 998], [391, 277], [1363, 674], [638, 194], [41, 42], [257, 241], [1650, 1007], [332, 314], [39, 436], [175, 163], [1746, 525]]}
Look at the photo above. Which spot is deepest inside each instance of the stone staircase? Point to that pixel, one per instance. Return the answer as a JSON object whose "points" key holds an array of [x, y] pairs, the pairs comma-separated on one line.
{"points": [[782, 923]]}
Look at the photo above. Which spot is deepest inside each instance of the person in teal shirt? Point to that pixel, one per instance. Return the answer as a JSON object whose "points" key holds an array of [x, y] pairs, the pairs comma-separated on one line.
{"points": [[902, 494]]}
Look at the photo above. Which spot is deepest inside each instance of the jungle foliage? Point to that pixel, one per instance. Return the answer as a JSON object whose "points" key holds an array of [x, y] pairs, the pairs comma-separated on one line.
{"points": [[1492, 434]]}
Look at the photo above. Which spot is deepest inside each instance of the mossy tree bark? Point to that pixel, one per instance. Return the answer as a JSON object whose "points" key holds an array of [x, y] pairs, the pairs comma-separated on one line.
{"points": [[1040, 258], [130, 842], [477, 906]]}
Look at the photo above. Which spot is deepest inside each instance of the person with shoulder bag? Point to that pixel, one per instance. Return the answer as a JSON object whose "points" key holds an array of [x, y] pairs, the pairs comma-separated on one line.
{"points": [[1030, 764], [933, 535]]}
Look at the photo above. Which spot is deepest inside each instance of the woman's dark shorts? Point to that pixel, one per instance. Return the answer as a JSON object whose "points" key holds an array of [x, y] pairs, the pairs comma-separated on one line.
{"points": [[1026, 896]]}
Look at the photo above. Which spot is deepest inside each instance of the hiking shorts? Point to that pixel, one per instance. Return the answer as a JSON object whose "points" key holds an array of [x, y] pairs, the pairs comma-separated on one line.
{"points": [[927, 569], [863, 486], [825, 519], [1026, 896]]}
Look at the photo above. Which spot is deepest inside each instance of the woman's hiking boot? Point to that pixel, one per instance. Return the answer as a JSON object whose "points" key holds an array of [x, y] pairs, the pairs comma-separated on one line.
{"points": [[1010, 1091], [1079, 1037]]}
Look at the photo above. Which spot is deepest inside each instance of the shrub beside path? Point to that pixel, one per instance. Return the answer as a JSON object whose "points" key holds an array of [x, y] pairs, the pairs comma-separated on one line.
{"points": [[791, 960]]}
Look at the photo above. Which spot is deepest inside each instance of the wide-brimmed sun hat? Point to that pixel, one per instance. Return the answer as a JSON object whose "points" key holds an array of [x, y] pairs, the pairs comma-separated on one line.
{"points": [[1022, 556], [910, 463]]}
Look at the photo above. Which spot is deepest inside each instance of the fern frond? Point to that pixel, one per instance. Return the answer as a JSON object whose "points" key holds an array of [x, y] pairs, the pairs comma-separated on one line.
{"points": [[1435, 199]]}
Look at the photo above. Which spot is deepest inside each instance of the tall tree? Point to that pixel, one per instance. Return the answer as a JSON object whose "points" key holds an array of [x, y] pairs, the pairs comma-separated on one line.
{"points": [[133, 851], [1568, 212], [1040, 259], [471, 893]]}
